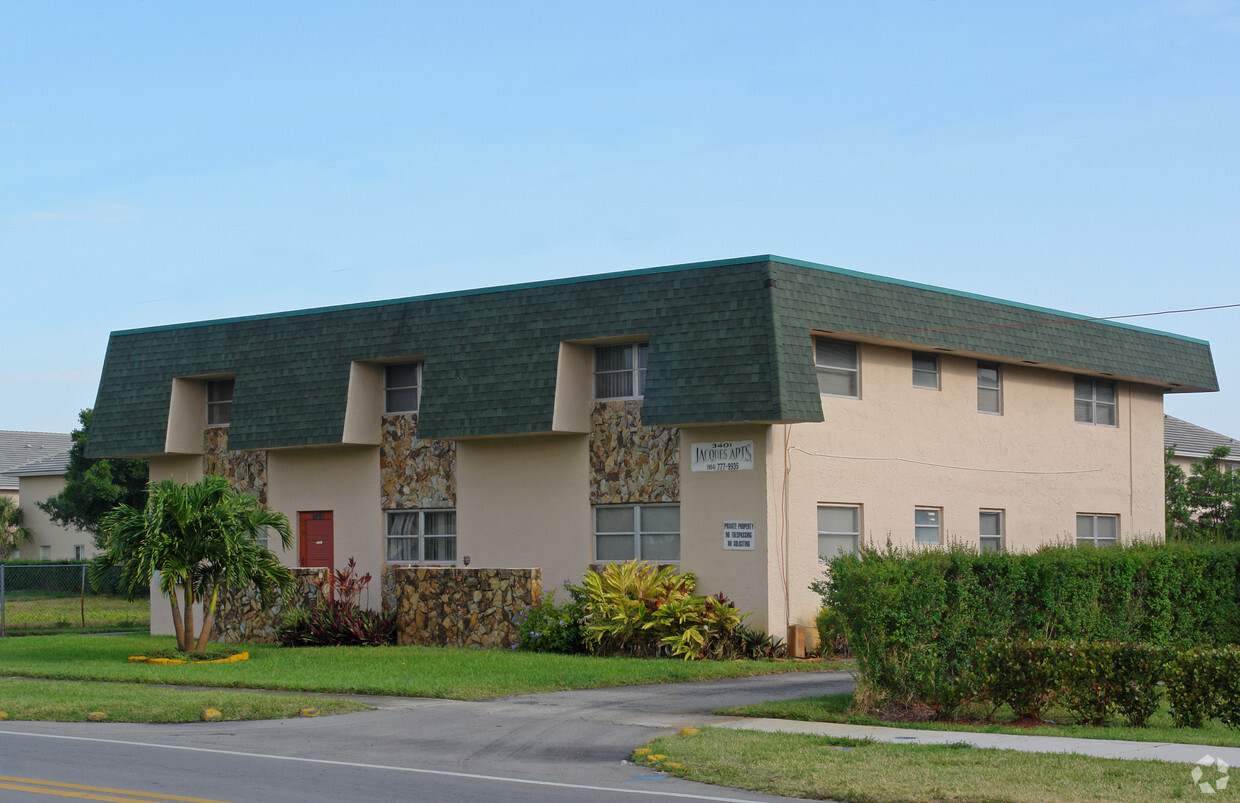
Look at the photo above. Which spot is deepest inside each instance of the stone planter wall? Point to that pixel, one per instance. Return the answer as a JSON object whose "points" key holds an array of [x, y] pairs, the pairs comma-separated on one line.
{"points": [[453, 607], [630, 463], [240, 616]]}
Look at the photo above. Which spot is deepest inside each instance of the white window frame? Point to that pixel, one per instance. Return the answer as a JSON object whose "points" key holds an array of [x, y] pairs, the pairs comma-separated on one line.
{"points": [[1088, 414], [1093, 538], [983, 537], [926, 374], [984, 388], [826, 368], [79, 552], [855, 534], [637, 532], [219, 411], [45, 551], [920, 525], [639, 355], [417, 387], [419, 537]]}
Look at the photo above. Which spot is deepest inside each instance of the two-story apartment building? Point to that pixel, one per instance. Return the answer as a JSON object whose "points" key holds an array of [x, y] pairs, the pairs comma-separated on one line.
{"points": [[740, 418]]}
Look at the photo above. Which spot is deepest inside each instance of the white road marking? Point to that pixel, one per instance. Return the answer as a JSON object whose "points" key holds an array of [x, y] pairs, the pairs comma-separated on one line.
{"points": [[358, 765]]}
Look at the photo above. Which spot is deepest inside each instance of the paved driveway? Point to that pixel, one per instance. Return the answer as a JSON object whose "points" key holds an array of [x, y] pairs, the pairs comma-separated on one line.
{"points": [[562, 746]]}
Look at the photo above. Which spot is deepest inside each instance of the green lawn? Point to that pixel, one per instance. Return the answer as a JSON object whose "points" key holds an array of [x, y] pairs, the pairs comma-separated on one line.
{"points": [[819, 767], [836, 708], [133, 702], [403, 671], [33, 611]]}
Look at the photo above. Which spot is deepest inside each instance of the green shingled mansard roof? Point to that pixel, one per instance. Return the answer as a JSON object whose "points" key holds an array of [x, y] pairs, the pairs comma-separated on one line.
{"points": [[729, 342]]}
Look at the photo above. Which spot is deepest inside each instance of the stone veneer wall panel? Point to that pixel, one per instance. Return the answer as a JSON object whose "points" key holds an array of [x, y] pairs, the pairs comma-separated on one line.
{"points": [[451, 607], [414, 474], [629, 463], [246, 469], [240, 616]]}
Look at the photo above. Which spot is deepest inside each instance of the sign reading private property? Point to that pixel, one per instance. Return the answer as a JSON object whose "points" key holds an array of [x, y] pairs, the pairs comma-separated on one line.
{"points": [[738, 534], [724, 456]]}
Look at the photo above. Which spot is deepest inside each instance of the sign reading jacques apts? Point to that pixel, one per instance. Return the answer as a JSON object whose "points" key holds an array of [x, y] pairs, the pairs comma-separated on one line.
{"points": [[723, 456]]}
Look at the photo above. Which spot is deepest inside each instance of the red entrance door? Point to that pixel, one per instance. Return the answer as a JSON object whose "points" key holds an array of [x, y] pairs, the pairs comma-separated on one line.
{"points": [[316, 539]]}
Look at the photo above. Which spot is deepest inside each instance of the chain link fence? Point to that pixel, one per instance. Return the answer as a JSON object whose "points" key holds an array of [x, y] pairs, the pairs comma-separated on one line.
{"points": [[60, 598]]}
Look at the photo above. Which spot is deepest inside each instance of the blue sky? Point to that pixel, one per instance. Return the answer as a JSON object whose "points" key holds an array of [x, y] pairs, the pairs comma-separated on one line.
{"points": [[163, 162]]}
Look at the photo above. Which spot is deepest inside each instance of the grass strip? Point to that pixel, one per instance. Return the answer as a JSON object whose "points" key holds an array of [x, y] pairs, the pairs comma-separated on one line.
{"points": [[820, 768], [461, 674], [53, 701], [837, 707]]}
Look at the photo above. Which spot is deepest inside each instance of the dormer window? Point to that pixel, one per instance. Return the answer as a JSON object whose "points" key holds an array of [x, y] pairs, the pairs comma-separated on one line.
{"points": [[620, 371], [219, 402], [402, 387]]}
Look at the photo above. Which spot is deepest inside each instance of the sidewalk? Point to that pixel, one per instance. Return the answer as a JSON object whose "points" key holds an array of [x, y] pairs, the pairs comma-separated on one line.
{"points": [[1099, 748]]}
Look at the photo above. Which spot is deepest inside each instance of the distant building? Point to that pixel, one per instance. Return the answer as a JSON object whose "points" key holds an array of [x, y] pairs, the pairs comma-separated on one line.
{"points": [[32, 468], [741, 419], [1191, 443]]}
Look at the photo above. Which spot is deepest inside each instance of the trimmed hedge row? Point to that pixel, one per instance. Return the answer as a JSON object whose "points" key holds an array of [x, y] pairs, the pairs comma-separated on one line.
{"points": [[914, 619], [1095, 680]]}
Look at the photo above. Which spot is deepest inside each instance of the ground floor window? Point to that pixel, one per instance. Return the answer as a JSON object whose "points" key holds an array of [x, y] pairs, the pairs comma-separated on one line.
{"points": [[990, 529], [423, 536], [641, 532], [928, 525], [79, 551], [839, 531], [1097, 530]]}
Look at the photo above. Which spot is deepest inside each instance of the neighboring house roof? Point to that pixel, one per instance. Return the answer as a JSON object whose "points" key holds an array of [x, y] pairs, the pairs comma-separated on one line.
{"points": [[19, 449], [729, 342], [1190, 440], [52, 466]]}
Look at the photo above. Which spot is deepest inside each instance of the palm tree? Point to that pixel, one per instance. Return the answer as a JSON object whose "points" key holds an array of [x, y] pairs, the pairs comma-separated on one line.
{"points": [[12, 533], [198, 537]]}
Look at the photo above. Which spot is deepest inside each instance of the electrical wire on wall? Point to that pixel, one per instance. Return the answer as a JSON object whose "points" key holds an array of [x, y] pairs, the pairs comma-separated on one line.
{"points": [[934, 465]]}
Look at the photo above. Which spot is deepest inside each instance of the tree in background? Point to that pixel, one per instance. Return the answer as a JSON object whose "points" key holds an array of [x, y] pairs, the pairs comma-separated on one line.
{"points": [[199, 537], [12, 532], [1203, 505], [95, 487]]}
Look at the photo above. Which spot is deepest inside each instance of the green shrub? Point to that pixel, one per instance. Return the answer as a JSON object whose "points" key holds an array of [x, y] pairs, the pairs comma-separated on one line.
{"points": [[1204, 684], [915, 617], [832, 633], [1025, 675], [635, 608], [547, 627]]}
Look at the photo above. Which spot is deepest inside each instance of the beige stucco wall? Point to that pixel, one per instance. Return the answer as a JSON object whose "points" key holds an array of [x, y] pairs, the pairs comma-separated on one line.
{"points": [[525, 503], [751, 579], [344, 480], [899, 447], [58, 538]]}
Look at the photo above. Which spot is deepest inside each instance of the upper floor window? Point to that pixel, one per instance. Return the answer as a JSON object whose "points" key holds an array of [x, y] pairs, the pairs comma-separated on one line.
{"points": [[989, 388], [837, 366], [620, 371], [1095, 401], [1097, 530], [402, 387], [839, 530], [928, 525], [219, 402], [925, 370], [990, 530]]}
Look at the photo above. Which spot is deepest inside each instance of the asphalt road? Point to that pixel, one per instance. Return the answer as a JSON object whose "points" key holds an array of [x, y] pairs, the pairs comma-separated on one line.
{"points": [[566, 746]]}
